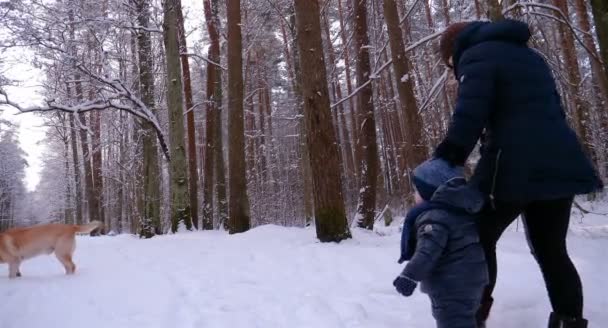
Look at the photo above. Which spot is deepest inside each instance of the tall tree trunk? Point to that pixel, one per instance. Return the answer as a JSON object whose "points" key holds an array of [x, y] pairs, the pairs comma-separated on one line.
{"points": [[76, 165], [596, 66], [477, 10], [150, 220], [330, 216], [68, 210], [95, 213], [220, 171], [348, 158], [86, 161], [120, 193], [304, 155], [78, 90], [180, 199], [415, 150], [97, 167], [84, 141], [354, 123], [192, 166], [600, 84], [238, 200], [495, 10], [580, 109], [213, 54], [600, 17], [261, 86], [367, 139], [445, 8]]}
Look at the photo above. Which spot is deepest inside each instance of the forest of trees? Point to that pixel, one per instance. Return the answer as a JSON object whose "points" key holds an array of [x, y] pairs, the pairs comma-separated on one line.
{"points": [[12, 174], [250, 112]]}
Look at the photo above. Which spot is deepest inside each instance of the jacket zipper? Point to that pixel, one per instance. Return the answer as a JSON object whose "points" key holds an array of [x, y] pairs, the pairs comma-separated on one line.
{"points": [[493, 188]]}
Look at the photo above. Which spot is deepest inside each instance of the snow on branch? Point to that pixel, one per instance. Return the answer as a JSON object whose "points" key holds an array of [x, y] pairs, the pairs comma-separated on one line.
{"points": [[116, 23], [586, 211], [563, 19], [409, 12], [372, 77], [205, 59], [434, 91], [377, 72], [119, 97]]}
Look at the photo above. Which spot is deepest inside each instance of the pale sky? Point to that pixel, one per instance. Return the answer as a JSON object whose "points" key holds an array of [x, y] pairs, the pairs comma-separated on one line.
{"points": [[27, 93]]}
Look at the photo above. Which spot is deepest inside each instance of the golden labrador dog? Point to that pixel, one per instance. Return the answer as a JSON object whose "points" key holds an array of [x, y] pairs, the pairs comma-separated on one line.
{"points": [[20, 244]]}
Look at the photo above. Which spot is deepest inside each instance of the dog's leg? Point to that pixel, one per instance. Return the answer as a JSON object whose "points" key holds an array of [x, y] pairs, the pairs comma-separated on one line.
{"points": [[64, 250], [66, 260], [13, 269], [70, 267]]}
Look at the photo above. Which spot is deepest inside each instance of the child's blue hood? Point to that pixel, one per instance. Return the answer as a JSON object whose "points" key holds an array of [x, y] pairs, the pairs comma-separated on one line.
{"points": [[458, 194]]}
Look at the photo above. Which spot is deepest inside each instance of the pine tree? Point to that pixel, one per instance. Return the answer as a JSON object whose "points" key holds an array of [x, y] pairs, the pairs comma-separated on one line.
{"points": [[238, 200], [178, 167], [330, 216]]}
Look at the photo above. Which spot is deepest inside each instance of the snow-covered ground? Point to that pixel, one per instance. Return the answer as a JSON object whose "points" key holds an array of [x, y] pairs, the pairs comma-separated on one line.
{"points": [[273, 277]]}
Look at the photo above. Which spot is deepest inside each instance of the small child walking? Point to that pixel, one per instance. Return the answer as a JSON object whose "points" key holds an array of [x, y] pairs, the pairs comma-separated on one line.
{"points": [[441, 242]]}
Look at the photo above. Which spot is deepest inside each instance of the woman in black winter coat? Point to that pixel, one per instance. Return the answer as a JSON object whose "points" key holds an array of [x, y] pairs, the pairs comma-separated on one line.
{"points": [[531, 160]]}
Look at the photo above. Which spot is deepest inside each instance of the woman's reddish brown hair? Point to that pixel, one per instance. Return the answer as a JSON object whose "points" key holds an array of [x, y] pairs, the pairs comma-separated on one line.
{"points": [[448, 38]]}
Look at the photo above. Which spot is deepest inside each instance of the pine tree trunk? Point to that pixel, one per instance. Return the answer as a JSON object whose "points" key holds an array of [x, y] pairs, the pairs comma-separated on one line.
{"points": [[304, 156], [220, 171], [192, 164], [238, 200], [68, 212], [77, 177], [250, 126], [261, 86], [348, 159], [600, 17], [445, 8], [354, 123], [74, 142], [330, 216], [97, 168], [211, 111], [367, 139], [86, 161], [495, 10], [600, 84], [150, 221], [596, 66], [580, 109], [94, 135], [84, 143], [120, 194], [415, 151], [178, 167], [212, 17], [76, 165]]}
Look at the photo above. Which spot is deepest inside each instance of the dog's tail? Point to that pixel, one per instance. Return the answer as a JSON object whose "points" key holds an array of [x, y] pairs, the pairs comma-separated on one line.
{"points": [[89, 227]]}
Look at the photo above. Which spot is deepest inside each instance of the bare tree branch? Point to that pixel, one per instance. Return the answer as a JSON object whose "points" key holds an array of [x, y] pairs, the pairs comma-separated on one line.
{"points": [[434, 90], [112, 101], [386, 64], [563, 20], [205, 59]]}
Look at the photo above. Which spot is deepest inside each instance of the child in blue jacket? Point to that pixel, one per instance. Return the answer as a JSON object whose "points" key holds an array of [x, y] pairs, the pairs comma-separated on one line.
{"points": [[441, 242]]}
